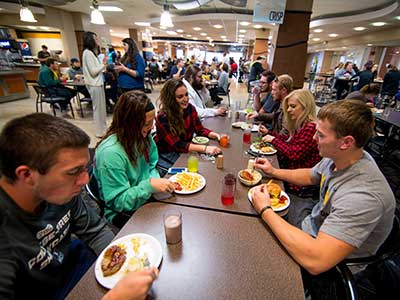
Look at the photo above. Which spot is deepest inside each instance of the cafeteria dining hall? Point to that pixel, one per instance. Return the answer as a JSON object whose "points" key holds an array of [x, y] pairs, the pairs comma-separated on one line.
{"points": [[199, 149]]}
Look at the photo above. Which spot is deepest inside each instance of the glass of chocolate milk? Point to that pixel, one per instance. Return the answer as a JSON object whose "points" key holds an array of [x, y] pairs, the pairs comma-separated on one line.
{"points": [[173, 226]]}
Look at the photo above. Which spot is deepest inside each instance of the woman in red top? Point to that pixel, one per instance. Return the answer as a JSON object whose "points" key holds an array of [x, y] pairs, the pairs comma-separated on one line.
{"points": [[297, 149], [234, 67], [176, 123]]}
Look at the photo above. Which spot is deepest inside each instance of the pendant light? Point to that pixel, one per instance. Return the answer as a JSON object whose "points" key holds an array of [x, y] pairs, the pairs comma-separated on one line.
{"points": [[165, 20], [96, 17], [25, 14]]}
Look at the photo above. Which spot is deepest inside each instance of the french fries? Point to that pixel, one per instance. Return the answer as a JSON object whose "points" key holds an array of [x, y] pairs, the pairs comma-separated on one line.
{"points": [[188, 182]]}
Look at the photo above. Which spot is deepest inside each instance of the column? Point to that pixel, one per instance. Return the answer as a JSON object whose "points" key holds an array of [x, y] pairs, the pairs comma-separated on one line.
{"points": [[135, 35], [290, 55], [261, 43]]}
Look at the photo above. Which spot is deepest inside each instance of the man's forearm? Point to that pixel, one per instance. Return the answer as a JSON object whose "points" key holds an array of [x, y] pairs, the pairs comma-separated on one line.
{"points": [[300, 177]]}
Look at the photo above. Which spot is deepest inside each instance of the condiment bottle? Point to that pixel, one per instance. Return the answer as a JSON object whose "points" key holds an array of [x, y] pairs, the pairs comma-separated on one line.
{"points": [[250, 164], [220, 161], [229, 114]]}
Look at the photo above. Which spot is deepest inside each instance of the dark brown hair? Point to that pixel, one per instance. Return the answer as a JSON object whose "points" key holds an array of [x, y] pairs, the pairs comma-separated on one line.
{"points": [[89, 42], [349, 117], [129, 56], [191, 72], [170, 106], [35, 140], [128, 120]]}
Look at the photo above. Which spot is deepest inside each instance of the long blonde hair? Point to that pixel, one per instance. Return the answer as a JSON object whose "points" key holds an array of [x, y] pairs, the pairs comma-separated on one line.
{"points": [[306, 100]]}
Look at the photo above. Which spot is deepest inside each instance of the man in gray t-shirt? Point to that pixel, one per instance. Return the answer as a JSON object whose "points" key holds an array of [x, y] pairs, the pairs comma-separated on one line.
{"points": [[356, 208]]}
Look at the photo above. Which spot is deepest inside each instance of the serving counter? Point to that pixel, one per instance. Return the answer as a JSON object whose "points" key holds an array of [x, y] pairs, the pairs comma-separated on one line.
{"points": [[13, 84]]}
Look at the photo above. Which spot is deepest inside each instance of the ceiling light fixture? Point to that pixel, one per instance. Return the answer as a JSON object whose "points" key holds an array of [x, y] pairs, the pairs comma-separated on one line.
{"points": [[243, 30], [25, 14], [218, 26], [189, 35], [378, 24], [171, 32], [143, 24], [359, 28], [203, 34], [179, 30], [333, 35], [257, 26], [244, 23], [397, 18], [96, 17], [369, 45], [223, 36], [196, 28], [165, 19], [163, 27], [318, 30], [316, 39]]}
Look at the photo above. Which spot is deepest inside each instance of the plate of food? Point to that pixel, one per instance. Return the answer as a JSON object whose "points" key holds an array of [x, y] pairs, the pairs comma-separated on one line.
{"points": [[130, 253], [238, 124], [249, 177], [201, 140], [279, 199], [263, 148], [188, 182], [252, 127]]}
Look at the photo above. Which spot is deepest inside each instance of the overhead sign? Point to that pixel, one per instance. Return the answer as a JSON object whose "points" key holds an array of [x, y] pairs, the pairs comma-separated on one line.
{"points": [[272, 11]]}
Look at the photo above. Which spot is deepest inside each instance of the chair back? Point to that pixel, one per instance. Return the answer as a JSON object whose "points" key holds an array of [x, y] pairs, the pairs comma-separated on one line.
{"points": [[391, 246], [92, 189]]}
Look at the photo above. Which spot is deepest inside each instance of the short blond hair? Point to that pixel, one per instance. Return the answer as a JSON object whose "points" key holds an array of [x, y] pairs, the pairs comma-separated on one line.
{"points": [[306, 100], [285, 81]]}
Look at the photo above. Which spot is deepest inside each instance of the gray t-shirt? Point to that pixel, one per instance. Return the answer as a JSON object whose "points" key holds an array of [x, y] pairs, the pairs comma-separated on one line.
{"points": [[356, 205]]}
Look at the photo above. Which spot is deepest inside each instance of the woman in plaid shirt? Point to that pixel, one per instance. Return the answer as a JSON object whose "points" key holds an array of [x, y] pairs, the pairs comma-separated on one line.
{"points": [[176, 123], [298, 149]]}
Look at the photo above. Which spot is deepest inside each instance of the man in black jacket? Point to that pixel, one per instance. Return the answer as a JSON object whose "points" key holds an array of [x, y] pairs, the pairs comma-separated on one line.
{"points": [[391, 81]]}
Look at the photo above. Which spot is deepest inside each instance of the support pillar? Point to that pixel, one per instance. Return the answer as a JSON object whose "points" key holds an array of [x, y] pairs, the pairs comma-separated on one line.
{"points": [[290, 55]]}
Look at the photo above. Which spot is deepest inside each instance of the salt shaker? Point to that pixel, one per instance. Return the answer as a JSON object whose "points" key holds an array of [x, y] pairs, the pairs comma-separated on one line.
{"points": [[229, 114], [250, 164], [220, 161]]}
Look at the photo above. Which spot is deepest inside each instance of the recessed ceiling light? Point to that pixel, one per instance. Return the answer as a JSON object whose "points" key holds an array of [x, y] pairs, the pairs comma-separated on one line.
{"points": [[242, 30], [316, 39], [270, 37], [197, 28], [257, 26], [369, 45], [154, 33], [244, 23], [111, 30], [344, 47], [397, 52], [195, 38], [378, 24], [44, 27], [189, 35], [109, 8], [359, 28], [218, 26], [318, 30], [241, 35], [31, 27], [225, 40], [179, 30], [144, 24], [397, 18], [170, 32], [203, 34], [163, 27], [223, 36], [333, 35]]}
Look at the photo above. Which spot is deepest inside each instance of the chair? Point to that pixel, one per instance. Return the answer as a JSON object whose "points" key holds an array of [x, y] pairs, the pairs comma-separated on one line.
{"points": [[222, 93], [92, 189], [43, 95], [389, 249]]}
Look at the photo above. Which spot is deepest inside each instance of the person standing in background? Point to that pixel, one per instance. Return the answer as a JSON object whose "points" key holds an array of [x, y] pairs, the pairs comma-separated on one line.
{"points": [[93, 72], [43, 55], [131, 70], [100, 57]]}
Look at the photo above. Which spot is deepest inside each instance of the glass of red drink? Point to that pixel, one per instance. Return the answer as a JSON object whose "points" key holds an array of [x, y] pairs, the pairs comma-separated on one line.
{"points": [[247, 136], [228, 189]]}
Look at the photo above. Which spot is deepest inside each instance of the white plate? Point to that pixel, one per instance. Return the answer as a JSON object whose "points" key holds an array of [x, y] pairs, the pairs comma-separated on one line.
{"points": [[254, 149], [185, 192], [149, 245], [238, 124], [201, 140], [254, 128], [275, 209]]}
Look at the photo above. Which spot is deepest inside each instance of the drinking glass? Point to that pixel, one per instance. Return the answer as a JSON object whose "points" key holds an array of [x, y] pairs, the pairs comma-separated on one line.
{"points": [[228, 189], [224, 140], [247, 135], [193, 163], [173, 226]]}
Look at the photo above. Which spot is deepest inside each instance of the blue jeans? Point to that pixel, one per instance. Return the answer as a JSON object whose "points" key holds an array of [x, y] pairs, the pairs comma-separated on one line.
{"points": [[81, 259]]}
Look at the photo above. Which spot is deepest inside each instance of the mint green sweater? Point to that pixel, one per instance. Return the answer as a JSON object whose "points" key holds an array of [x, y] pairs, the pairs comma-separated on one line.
{"points": [[123, 186]]}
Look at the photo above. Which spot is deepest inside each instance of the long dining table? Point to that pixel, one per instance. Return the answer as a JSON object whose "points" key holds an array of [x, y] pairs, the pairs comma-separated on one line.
{"points": [[227, 252], [235, 159]]}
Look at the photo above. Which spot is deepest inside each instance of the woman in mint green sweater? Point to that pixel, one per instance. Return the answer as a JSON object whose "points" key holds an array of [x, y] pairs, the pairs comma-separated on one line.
{"points": [[126, 158]]}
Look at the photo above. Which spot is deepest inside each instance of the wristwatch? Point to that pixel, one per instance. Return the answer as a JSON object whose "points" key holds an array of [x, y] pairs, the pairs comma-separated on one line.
{"points": [[264, 209]]}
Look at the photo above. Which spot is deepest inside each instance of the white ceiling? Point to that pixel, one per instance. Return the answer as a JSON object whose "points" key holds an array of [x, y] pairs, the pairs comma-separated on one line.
{"points": [[331, 14]]}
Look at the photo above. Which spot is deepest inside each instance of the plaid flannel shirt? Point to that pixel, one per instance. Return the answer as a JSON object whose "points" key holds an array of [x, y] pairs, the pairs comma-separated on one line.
{"points": [[167, 142], [300, 151]]}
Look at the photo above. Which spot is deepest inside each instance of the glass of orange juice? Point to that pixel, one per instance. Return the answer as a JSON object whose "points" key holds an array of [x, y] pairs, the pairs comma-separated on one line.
{"points": [[224, 140]]}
